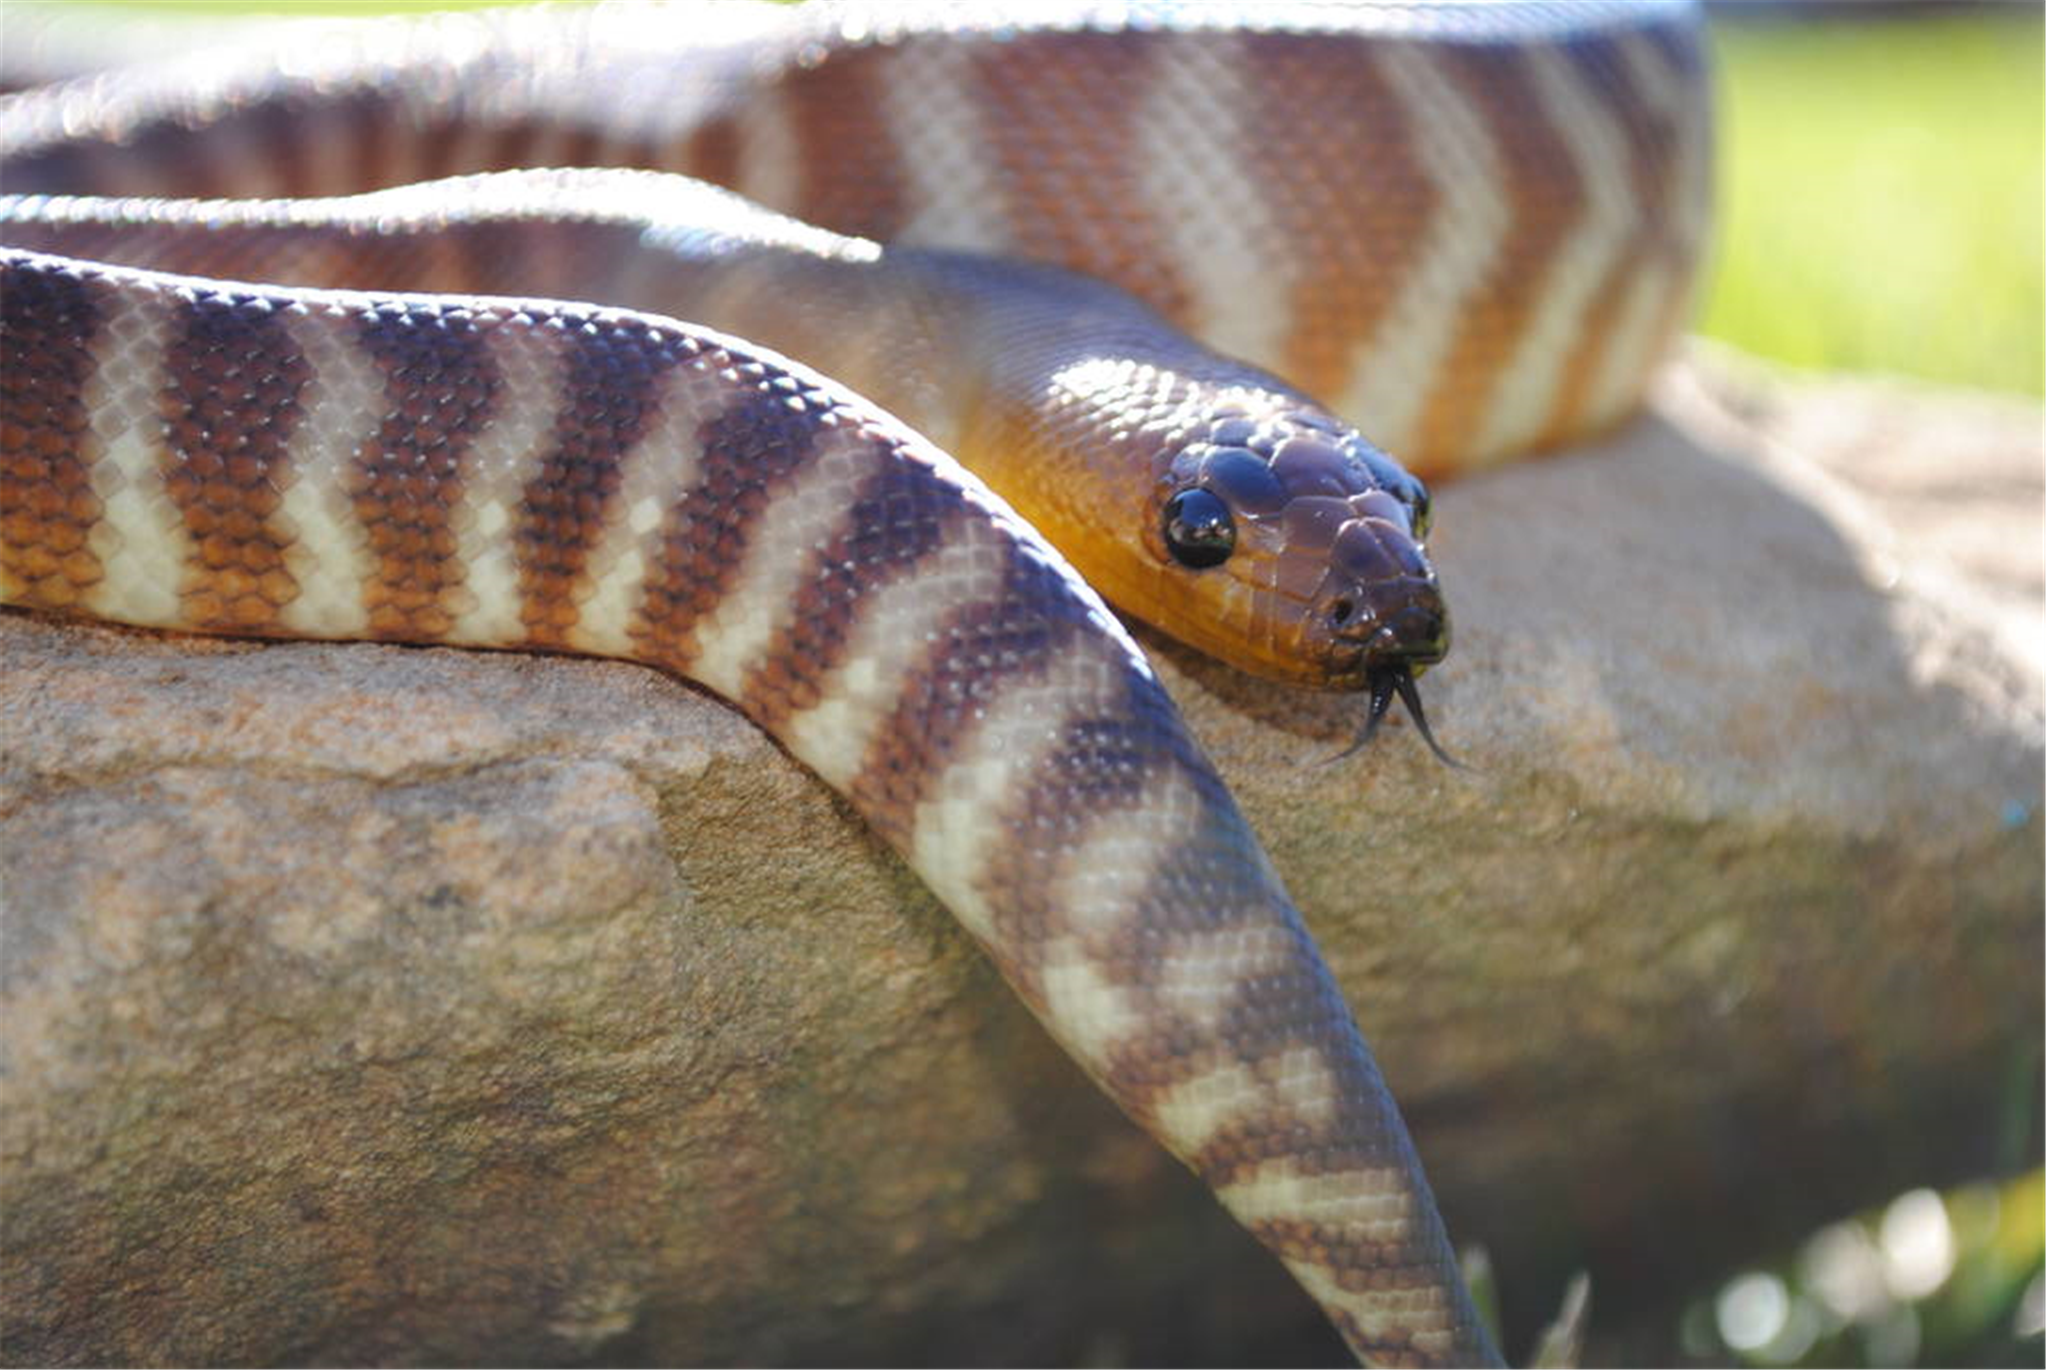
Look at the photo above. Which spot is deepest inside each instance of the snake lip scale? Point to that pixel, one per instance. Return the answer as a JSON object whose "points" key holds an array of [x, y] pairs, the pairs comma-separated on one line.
{"points": [[432, 331]]}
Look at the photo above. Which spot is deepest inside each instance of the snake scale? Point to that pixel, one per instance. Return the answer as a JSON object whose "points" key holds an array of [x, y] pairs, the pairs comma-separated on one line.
{"points": [[417, 394]]}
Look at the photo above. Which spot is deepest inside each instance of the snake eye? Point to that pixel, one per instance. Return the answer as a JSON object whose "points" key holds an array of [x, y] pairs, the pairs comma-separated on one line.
{"points": [[1198, 530]]}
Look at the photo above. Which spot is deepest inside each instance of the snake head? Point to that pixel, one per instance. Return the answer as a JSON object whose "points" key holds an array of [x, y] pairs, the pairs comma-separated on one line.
{"points": [[1306, 540]]}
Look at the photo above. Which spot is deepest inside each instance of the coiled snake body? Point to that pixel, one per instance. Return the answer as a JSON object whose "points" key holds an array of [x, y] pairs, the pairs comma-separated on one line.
{"points": [[470, 411]]}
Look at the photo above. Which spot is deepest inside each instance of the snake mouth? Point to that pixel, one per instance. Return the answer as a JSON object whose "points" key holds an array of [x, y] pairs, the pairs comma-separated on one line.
{"points": [[1368, 634], [1389, 652]]}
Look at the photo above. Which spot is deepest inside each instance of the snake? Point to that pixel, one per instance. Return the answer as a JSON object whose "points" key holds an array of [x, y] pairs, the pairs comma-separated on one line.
{"points": [[851, 364]]}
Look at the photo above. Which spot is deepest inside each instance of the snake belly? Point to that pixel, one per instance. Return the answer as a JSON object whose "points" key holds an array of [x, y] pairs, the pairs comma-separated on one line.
{"points": [[472, 468]]}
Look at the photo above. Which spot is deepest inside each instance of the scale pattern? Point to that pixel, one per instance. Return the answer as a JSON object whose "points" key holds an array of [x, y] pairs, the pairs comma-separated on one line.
{"points": [[299, 463], [336, 454], [1469, 230]]}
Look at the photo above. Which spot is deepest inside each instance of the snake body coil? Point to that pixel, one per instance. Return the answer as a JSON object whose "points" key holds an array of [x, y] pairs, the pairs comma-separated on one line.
{"points": [[466, 412]]}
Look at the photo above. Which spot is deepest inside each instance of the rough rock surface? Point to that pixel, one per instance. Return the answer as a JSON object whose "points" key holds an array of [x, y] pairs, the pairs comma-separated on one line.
{"points": [[368, 1004]]}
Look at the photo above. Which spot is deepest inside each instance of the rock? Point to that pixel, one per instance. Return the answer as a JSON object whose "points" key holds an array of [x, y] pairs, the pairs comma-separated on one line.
{"points": [[373, 1004]]}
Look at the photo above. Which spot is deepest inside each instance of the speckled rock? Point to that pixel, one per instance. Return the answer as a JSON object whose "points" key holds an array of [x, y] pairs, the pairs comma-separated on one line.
{"points": [[369, 1004]]}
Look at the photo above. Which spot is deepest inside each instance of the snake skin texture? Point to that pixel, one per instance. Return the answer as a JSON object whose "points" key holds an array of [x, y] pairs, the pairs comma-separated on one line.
{"points": [[1001, 364], [467, 411]]}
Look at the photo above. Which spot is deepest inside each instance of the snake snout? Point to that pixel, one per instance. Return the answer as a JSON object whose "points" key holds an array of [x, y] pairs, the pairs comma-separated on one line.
{"points": [[1416, 634], [1382, 605], [1400, 627]]}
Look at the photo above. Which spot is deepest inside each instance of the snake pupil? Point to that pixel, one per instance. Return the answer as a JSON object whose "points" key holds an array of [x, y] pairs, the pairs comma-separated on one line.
{"points": [[1198, 529]]}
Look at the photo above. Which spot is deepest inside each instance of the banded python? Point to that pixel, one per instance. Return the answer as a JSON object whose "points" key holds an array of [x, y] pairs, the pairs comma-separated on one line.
{"points": [[430, 332]]}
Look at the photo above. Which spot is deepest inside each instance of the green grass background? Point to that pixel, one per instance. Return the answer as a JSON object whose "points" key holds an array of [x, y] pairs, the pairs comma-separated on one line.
{"points": [[1880, 194]]}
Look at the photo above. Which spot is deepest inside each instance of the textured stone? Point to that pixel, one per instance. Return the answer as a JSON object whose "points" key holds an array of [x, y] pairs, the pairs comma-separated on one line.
{"points": [[371, 1004]]}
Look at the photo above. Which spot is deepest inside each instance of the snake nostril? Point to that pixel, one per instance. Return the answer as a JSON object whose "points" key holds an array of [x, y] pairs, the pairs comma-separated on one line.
{"points": [[1339, 612]]}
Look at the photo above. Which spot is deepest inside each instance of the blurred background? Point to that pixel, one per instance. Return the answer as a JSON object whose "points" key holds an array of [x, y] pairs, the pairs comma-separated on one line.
{"points": [[1879, 211], [1880, 188]]}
